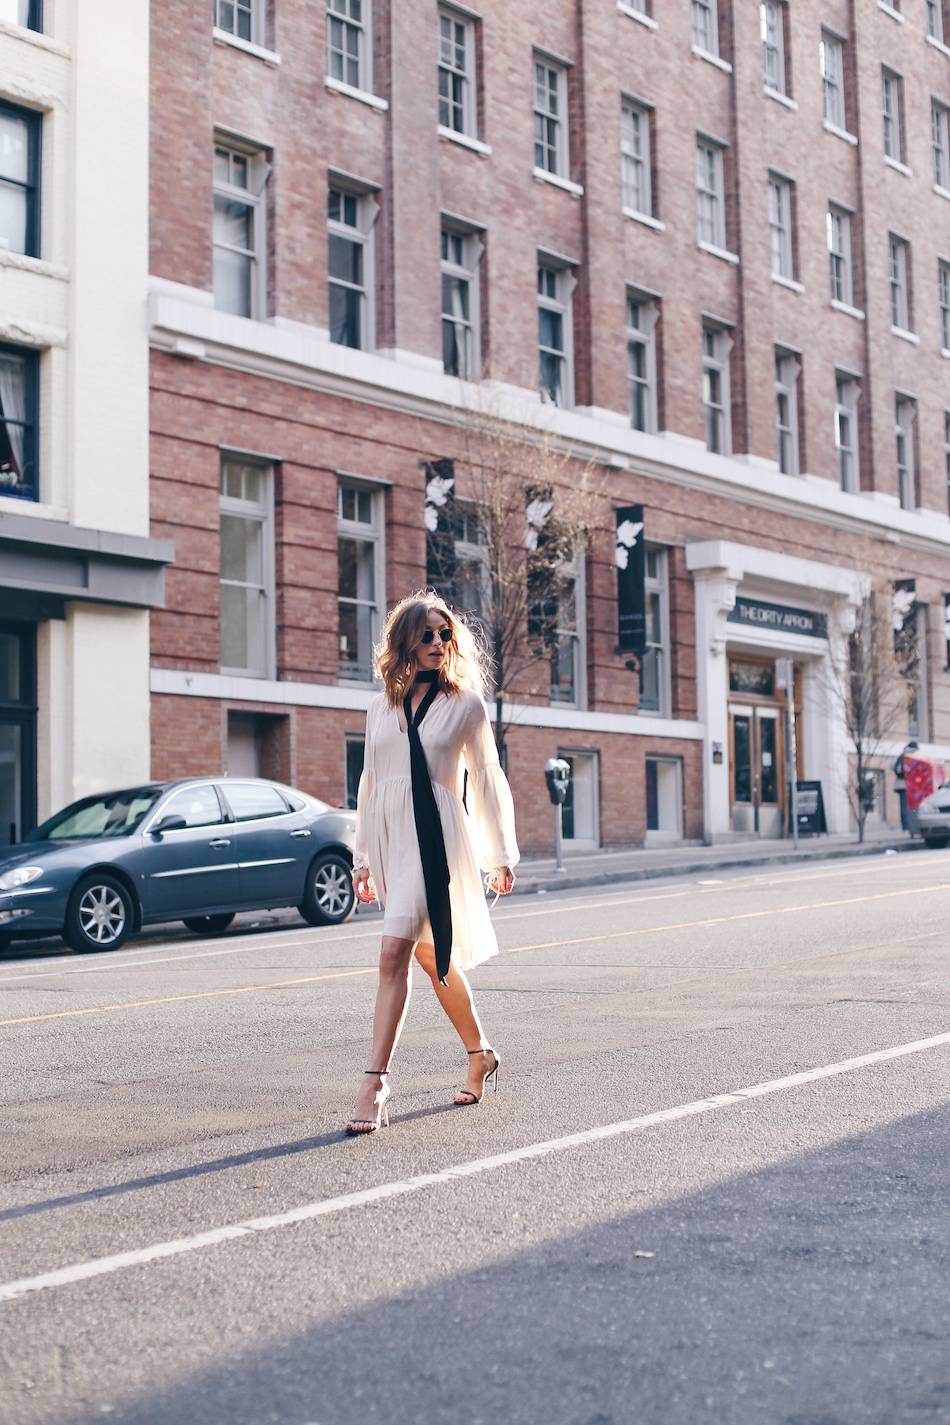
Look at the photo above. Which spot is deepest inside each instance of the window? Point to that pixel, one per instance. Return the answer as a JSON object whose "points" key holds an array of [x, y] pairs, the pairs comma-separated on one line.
{"points": [[580, 818], [832, 79], [239, 179], [935, 19], [349, 270], [838, 224], [772, 27], [847, 391], [946, 452], [461, 253], [899, 283], [642, 316], [664, 797], [355, 755], [348, 42], [706, 25], [940, 141], [247, 568], [717, 344], [943, 300], [19, 185], [550, 113], [710, 194], [457, 94], [568, 653], [781, 247], [905, 416], [199, 806], [254, 801], [891, 102], [787, 372], [655, 664], [19, 422], [555, 337], [28, 13], [472, 593], [240, 18], [360, 576], [635, 158]]}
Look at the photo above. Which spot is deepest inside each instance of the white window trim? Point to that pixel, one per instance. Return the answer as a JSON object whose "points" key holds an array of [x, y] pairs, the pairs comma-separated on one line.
{"points": [[563, 303], [780, 98], [906, 404], [257, 28], [575, 189], [587, 843], [365, 57], [898, 166], [367, 211], [844, 302], [713, 59], [717, 243], [855, 312], [902, 247], [374, 534], [661, 586], [893, 82], [562, 156], [224, 37], [943, 309], [471, 553], [647, 222], [474, 250], [848, 407], [639, 15], [646, 337], [469, 128], [831, 128], [631, 105], [244, 510], [786, 205], [576, 569], [255, 197], [832, 125], [465, 141], [938, 6], [941, 45], [940, 112], [788, 382], [722, 253], [721, 362], [668, 836], [712, 10], [336, 86], [890, 11], [780, 49]]}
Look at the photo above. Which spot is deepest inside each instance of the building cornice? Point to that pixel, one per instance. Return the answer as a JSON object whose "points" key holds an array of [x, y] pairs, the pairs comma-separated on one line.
{"points": [[186, 325]]}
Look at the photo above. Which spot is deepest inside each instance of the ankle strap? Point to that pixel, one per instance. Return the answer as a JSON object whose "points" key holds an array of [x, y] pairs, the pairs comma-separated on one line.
{"points": [[380, 1073], [487, 1050]]}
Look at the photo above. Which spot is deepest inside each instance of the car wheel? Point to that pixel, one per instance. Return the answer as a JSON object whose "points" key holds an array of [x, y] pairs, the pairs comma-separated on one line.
{"points": [[329, 897], [99, 915], [209, 924], [936, 843]]}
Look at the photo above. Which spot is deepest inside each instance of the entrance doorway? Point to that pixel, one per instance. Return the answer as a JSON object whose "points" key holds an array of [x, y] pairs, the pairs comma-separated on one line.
{"points": [[757, 747], [17, 732], [580, 815]]}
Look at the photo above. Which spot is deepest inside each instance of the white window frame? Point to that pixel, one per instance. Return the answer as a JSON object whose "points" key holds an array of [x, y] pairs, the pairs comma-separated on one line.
{"points": [[469, 271], [465, 75], [666, 836], [367, 211], [705, 23], [253, 8], [262, 513], [473, 553], [891, 106], [575, 569], [636, 157], [781, 237], [557, 153], [341, 12], [840, 269], [899, 280], [847, 454], [710, 192], [772, 29], [788, 369], [946, 452], [658, 585], [592, 758], [905, 417], [642, 335], [374, 534], [940, 143], [563, 303], [831, 61], [717, 362], [254, 198], [943, 301], [935, 27]]}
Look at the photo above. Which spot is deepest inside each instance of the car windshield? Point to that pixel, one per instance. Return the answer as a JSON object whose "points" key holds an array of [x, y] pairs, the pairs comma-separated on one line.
{"points": [[115, 814]]}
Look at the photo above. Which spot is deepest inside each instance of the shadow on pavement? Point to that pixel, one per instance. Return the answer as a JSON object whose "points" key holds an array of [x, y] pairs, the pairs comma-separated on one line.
{"points": [[814, 1292]]}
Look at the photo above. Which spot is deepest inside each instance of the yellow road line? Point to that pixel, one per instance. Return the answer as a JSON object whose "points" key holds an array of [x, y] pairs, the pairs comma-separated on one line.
{"points": [[515, 950]]}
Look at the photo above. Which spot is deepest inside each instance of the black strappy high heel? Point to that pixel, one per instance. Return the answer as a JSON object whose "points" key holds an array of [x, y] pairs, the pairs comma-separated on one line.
{"points": [[357, 1126], [470, 1099]]}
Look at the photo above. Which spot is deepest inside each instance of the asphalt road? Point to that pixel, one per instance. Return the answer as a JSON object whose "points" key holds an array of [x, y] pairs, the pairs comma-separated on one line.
{"points": [[626, 1234]]}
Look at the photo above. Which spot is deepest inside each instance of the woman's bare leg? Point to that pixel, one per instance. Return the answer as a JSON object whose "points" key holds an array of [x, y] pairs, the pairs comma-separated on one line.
{"points": [[392, 1001], [455, 997]]}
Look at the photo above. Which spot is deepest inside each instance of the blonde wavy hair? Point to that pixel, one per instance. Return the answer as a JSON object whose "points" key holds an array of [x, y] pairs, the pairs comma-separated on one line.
{"points": [[463, 669]]}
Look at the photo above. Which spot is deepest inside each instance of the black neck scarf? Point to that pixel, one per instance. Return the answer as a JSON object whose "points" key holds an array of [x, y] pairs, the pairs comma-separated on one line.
{"points": [[435, 866]]}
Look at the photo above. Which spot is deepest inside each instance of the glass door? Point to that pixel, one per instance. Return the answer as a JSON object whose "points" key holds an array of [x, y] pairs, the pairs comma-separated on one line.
{"points": [[17, 732], [757, 748]]}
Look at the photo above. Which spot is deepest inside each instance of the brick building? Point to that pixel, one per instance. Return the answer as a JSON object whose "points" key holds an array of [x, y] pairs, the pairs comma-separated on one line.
{"points": [[719, 231]]}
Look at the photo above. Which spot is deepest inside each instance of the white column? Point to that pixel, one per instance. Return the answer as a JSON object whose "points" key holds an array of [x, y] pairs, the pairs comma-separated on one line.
{"points": [[715, 596]]}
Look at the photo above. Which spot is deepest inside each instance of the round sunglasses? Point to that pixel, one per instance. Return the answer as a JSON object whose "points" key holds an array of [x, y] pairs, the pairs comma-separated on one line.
{"points": [[429, 636]]}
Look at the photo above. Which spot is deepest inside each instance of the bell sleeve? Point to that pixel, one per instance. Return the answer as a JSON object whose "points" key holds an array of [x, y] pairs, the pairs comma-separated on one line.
{"points": [[489, 796], [363, 794]]}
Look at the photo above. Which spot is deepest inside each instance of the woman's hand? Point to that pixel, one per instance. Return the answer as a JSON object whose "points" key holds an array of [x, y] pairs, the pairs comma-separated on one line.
{"points": [[363, 884], [502, 880]]}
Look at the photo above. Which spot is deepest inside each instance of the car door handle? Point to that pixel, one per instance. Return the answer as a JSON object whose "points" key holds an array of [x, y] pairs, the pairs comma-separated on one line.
{"points": [[220, 841], [300, 833]]}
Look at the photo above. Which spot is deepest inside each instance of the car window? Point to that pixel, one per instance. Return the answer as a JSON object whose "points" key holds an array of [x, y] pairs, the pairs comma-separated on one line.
{"points": [[116, 814], [198, 805], [251, 800]]}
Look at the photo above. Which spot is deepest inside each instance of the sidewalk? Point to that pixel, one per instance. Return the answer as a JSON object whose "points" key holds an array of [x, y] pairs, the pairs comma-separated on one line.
{"points": [[602, 868]]}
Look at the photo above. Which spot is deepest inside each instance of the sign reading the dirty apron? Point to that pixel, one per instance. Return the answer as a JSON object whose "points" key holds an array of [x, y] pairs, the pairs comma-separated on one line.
{"points": [[779, 618]]}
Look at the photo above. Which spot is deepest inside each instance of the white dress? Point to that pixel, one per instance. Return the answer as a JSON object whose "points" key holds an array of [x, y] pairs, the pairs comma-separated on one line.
{"points": [[456, 737]]}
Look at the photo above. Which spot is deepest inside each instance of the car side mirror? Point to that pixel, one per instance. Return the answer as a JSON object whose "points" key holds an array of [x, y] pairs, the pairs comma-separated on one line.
{"points": [[168, 823]]}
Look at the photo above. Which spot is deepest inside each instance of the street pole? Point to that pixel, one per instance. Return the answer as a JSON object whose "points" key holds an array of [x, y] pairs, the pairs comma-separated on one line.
{"points": [[791, 745], [559, 839]]}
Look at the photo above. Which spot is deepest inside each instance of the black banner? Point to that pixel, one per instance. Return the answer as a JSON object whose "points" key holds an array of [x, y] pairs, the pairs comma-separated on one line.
{"points": [[439, 520], [631, 576], [780, 617]]}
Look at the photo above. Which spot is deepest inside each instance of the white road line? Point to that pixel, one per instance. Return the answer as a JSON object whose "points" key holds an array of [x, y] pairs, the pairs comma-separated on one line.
{"points": [[106, 1266]]}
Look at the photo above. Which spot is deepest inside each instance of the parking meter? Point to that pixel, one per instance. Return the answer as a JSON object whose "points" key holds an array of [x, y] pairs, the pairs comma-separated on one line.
{"points": [[557, 774]]}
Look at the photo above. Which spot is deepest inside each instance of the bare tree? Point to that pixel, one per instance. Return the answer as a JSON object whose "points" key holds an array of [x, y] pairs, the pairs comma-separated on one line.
{"points": [[506, 519], [876, 688]]}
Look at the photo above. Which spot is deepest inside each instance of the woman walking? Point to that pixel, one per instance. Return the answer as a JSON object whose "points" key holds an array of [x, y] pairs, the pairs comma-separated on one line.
{"points": [[418, 850]]}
